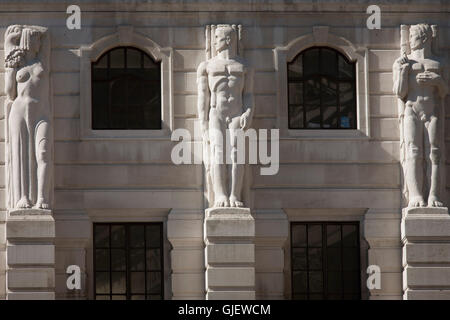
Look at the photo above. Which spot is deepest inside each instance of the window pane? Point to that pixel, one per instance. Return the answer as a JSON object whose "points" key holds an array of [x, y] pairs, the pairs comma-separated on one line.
{"points": [[333, 235], [149, 64], [153, 235], [101, 236], [102, 282], [311, 62], [351, 261], [153, 282], [312, 92], [315, 281], [118, 236], [117, 58], [316, 296], [313, 117], [133, 58], [299, 281], [315, 258], [350, 235], [153, 259], [299, 258], [102, 259], [345, 69], [334, 282], [314, 235], [328, 62], [295, 117], [334, 261], [137, 259], [102, 297], [351, 282], [138, 282], [299, 296], [295, 68], [330, 117], [119, 284], [296, 93], [299, 235], [137, 238], [137, 297], [121, 297], [153, 297], [118, 260], [329, 92]]}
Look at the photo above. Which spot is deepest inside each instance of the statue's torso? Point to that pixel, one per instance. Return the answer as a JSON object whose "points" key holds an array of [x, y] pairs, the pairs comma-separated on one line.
{"points": [[226, 82], [422, 97], [32, 91]]}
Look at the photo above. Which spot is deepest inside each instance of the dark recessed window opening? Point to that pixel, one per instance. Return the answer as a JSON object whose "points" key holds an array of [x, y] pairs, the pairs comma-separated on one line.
{"points": [[325, 261], [128, 261], [321, 90], [126, 91]]}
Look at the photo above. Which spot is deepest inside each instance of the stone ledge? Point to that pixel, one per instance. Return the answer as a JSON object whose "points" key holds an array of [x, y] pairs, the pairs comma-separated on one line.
{"points": [[424, 224], [228, 213], [29, 212]]}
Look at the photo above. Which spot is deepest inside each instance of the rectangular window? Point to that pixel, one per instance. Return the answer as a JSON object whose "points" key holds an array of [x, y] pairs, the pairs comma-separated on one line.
{"points": [[128, 261], [325, 261]]}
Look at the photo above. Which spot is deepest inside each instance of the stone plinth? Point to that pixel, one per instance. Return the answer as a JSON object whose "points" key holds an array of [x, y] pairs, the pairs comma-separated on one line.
{"points": [[426, 253], [229, 254], [30, 254]]}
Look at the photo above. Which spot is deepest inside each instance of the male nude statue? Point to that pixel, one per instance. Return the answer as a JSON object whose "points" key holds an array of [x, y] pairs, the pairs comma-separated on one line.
{"points": [[419, 83], [225, 101]]}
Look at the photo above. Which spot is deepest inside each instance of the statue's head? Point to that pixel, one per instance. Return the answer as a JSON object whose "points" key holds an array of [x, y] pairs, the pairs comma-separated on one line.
{"points": [[225, 37], [419, 36], [20, 41]]}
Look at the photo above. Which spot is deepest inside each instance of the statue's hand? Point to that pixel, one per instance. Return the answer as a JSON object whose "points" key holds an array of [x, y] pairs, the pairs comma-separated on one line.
{"points": [[205, 133], [12, 38], [244, 121], [428, 77], [403, 62]]}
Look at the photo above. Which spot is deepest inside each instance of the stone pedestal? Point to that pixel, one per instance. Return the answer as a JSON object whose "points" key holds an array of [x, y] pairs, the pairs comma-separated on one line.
{"points": [[30, 251], [426, 253], [229, 254]]}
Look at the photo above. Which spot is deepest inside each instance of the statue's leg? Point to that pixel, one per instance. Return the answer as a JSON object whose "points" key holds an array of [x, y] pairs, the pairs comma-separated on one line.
{"points": [[433, 133], [413, 133], [19, 161], [219, 168], [237, 170], [43, 158]]}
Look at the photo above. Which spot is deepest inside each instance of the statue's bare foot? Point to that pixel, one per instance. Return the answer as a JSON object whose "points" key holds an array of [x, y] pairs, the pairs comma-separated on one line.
{"points": [[41, 204], [416, 202], [221, 201], [234, 202], [23, 203], [434, 202]]}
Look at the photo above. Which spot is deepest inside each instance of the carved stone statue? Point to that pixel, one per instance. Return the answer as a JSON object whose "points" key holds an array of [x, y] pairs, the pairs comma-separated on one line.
{"points": [[29, 116], [225, 106], [421, 88]]}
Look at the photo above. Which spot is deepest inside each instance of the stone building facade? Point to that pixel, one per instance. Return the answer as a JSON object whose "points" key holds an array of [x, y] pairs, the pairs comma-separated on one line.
{"points": [[134, 222]]}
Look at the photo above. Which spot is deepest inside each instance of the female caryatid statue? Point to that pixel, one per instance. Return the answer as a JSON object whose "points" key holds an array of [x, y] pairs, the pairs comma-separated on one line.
{"points": [[29, 116], [421, 88]]}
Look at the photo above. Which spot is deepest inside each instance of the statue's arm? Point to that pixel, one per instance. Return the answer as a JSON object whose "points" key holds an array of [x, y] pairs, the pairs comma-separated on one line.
{"points": [[10, 83], [443, 83], [248, 98], [401, 72], [203, 95]]}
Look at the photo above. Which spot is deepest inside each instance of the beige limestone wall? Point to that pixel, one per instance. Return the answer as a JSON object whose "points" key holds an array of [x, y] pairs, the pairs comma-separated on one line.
{"points": [[96, 177]]}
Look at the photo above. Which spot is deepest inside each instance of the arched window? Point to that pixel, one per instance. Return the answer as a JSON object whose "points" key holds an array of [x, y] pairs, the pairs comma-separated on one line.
{"points": [[322, 90], [126, 91]]}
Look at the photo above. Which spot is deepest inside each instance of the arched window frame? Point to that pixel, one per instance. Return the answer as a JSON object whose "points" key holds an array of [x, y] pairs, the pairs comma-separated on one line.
{"points": [[125, 37], [320, 37]]}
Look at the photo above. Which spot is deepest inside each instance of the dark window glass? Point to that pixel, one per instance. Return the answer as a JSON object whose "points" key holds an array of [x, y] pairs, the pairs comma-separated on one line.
{"points": [[128, 261], [325, 261], [126, 91], [321, 90]]}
